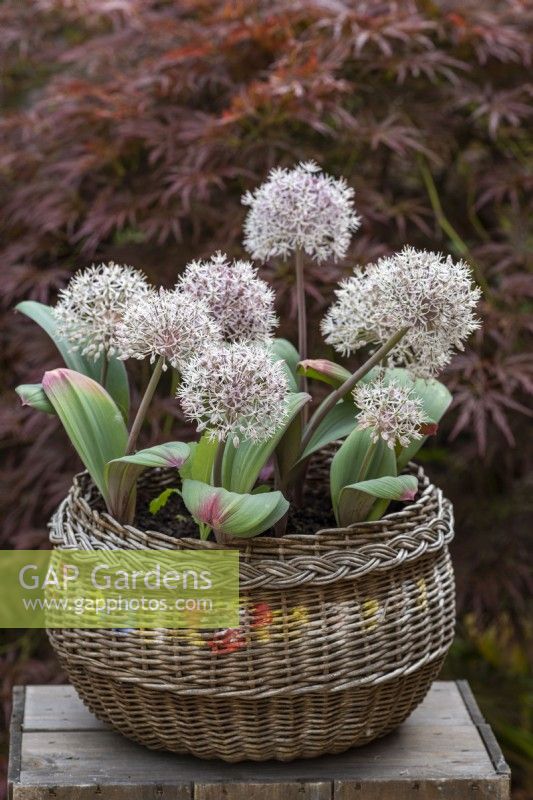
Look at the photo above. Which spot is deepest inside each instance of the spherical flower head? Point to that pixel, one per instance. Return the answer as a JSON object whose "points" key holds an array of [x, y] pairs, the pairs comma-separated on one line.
{"points": [[350, 322], [429, 295], [390, 411], [169, 324], [91, 307], [241, 303], [300, 208], [235, 390]]}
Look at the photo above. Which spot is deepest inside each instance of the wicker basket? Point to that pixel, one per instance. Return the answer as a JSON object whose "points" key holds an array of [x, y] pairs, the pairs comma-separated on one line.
{"points": [[342, 633]]}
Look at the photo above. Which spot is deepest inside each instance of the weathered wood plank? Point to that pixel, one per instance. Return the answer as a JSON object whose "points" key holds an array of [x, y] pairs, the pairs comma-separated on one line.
{"points": [[443, 751], [54, 757], [57, 708], [485, 731], [263, 791], [445, 789], [15, 742], [103, 792]]}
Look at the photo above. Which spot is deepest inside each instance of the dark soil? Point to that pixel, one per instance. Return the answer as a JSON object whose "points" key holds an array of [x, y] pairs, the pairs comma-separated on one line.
{"points": [[174, 519]]}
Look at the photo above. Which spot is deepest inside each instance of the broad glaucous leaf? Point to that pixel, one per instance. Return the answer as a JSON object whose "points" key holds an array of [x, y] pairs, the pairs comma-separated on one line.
{"points": [[321, 369], [351, 463], [231, 513], [32, 394], [241, 465], [283, 350], [337, 424], [90, 418], [357, 501], [117, 379], [121, 474], [199, 465]]}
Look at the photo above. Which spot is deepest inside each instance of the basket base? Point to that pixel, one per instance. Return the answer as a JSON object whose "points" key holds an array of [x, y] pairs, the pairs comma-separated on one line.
{"points": [[241, 729]]}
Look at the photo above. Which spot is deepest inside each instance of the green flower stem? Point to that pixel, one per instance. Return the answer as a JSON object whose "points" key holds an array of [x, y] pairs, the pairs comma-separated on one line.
{"points": [[105, 368], [333, 398], [217, 465], [302, 315], [145, 402], [169, 419]]}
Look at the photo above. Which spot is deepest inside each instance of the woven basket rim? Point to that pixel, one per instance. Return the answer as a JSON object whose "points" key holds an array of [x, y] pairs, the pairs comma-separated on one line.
{"points": [[425, 526]]}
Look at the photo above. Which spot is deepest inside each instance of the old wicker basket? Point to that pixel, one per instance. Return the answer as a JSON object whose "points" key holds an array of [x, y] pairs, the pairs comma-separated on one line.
{"points": [[342, 632]]}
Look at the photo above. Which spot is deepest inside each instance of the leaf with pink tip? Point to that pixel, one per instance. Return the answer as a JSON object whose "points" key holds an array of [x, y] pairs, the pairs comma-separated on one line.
{"points": [[121, 474], [90, 418], [241, 515], [356, 501], [321, 369]]}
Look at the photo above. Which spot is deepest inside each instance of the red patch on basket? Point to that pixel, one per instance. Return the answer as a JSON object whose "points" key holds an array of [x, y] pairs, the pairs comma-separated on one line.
{"points": [[261, 615], [228, 642]]}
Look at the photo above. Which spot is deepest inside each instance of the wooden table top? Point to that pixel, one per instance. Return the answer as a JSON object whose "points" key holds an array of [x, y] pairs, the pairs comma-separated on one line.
{"points": [[444, 750]]}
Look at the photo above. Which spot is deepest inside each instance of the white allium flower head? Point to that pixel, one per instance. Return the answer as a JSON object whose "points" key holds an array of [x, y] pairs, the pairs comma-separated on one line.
{"points": [[300, 208], [235, 389], [166, 323], [430, 295], [240, 302], [91, 307], [391, 412]]}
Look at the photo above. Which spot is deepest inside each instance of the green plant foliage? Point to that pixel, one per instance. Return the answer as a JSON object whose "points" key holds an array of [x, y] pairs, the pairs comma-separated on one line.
{"points": [[231, 513], [32, 394], [285, 351], [321, 369], [242, 464], [337, 424], [161, 500], [357, 501], [117, 379], [199, 466], [121, 474], [357, 459], [91, 420]]}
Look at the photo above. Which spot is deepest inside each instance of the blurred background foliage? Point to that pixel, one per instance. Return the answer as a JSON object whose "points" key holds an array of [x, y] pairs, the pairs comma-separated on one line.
{"points": [[131, 129]]}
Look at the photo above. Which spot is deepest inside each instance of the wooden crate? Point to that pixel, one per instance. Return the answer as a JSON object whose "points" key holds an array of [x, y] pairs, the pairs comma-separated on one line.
{"points": [[445, 750]]}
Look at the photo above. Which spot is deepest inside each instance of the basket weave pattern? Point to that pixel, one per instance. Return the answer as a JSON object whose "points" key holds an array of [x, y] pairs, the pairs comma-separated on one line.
{"points": [[341, 634]]}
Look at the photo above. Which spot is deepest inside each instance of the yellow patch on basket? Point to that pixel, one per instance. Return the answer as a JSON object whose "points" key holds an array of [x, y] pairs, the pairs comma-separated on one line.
{"points": [[299, 616], [370, 614], [193, 637], [422, 593]]}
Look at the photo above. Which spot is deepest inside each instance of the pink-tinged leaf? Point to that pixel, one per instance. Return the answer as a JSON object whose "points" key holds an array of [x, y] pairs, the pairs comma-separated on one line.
{"points": [[357, 500], [323, 370], [232, 514], [121, 474], [210, 511], [91, 419], [429, 429]]}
